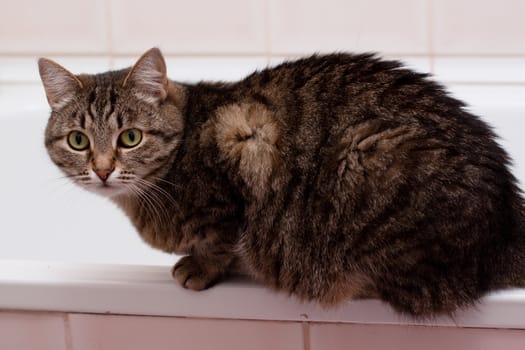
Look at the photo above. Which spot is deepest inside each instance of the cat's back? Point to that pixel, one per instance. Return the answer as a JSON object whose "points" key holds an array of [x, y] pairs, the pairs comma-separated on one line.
{"points": [[336, 79], [362, 163], [318, 68], [305, 117], [321, 94]]}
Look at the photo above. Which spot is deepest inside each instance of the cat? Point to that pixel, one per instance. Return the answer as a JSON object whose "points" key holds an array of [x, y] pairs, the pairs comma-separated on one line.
{"points": [[332, 177]]}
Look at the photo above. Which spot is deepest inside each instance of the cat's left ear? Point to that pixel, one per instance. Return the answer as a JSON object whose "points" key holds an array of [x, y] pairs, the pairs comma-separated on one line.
{"points": [[148, 77], [60, 84]]}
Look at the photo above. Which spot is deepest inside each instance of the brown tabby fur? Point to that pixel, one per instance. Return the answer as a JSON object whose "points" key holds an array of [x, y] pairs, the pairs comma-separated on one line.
{"points": [[331, 177]]}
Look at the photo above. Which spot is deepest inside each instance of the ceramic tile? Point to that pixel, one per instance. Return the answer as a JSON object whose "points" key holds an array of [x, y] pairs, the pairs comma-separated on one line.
{"points": [[419, 64], [25, 69], [339, 336], [228, 26], [480, 70], [499, 96], [132, 332], [16, 99], [192, 69], [478, 26], [276, 60], [28, 331], [502, 107], [28, 26], [357, 25]]}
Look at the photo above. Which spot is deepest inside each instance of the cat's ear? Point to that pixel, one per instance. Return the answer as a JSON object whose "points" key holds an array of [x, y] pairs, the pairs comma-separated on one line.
{"points": [[148, 77], [60, 84]]}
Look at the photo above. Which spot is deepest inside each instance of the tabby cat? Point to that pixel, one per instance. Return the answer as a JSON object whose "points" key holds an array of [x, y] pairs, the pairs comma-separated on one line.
{"points": [[332, 177]]}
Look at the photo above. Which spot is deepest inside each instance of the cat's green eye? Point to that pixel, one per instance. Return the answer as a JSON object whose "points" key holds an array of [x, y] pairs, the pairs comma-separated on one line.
{"points": [[78, 140], [130, 138]]}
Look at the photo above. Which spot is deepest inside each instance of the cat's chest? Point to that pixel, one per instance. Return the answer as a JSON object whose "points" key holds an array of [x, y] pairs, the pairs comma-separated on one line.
{"points": [[175, 231], [157, 225], [170, 238]]}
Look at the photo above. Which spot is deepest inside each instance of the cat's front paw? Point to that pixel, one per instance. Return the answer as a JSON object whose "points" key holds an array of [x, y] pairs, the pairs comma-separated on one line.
{"points": [[193, 274]]}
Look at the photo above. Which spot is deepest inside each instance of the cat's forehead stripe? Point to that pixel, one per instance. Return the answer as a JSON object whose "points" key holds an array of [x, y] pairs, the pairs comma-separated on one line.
{"points": [[112, 100], [88, 118], [92, 108], [101, 104], [108, 103], [82, 118], [120, 122]]}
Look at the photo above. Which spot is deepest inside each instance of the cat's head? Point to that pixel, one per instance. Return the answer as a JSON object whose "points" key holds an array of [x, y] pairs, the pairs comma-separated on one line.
{"points": [[116, 132]]}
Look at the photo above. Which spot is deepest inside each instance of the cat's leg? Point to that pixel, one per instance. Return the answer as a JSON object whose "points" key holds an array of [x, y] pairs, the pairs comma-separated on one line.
{"points": [[197, 272], [210, 259]]}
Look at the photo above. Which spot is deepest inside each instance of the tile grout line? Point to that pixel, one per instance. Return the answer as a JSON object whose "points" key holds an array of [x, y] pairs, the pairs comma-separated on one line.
{"points": [[6, 83], [109, 23], [170, 54], [305, 325], [267, 31], [430, 36], [67, 332]]}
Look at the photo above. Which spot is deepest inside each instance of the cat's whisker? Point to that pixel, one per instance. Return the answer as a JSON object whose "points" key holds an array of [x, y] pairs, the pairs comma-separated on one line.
{"points": [[156, 178], [63, 187], [153, 188], [66, 180], [157, 188], [144, 199], [153, 205], [153, 211], [158, 203]]}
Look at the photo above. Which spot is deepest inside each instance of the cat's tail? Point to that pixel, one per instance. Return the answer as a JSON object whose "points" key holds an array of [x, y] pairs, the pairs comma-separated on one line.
{"points": [[505, 266]]}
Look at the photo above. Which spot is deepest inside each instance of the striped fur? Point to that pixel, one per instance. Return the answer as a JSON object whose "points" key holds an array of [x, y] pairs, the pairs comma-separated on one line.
{"points": [[330, 178]]}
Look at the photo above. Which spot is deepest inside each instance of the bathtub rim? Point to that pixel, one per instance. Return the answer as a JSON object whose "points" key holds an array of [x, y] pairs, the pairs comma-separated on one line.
{"points": [[150, 290]]}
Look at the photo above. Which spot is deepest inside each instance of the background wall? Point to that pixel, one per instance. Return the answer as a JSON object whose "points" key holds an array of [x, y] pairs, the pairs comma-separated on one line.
{"points": [[475, 47], [468, 41]]}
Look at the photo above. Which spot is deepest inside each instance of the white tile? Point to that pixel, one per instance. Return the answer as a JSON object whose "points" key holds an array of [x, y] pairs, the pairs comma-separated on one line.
{"points": [[502, 107], [194, 69], [479, 26], [480, 70], [276, 60], [199, 26], [419, 64], [508, 124], [16, 99], [25, 69], [28, 331], [54, 26], [302, 26], [480, 96]]}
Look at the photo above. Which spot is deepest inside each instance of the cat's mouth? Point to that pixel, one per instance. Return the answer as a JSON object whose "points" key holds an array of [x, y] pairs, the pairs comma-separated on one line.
{"points": [[117, 182], [109, 186], [108, 189]]}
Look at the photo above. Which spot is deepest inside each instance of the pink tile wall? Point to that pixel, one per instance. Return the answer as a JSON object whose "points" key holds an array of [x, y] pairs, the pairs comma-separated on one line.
{"points": [[479, 27], [185, 27], [137, 333], [32, 331], [299, 26], [263, 27], [57, 331], [54, 26], [352, 336]]}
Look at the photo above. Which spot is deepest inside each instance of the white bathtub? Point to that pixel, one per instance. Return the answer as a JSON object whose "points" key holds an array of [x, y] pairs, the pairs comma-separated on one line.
{"points": [[71, 253]]}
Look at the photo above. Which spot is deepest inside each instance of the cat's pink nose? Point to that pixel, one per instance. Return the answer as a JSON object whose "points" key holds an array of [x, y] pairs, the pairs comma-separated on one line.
{"points": [[103, 174]]}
